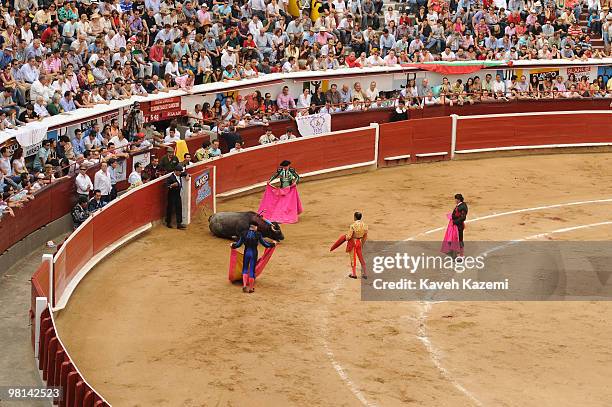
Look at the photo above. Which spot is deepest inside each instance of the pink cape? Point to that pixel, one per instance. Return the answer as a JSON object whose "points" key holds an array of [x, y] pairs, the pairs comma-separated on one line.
{"points": [[281, 205], [451, 237], [235, 264]]}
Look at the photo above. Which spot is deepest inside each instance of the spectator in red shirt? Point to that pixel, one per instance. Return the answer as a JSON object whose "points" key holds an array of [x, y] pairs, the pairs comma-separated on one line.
{"points": [[575, 30], [156, 55], [351, 61], [48, 32], [249, 48]]}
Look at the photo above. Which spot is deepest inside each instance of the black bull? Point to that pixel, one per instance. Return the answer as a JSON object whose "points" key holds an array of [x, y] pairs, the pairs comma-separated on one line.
{"points": [[230, 225]]}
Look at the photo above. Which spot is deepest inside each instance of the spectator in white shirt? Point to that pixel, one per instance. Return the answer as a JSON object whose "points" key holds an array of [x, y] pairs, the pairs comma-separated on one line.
{"points": [[83, 183], [498, 85], [372, 92], [375, 59], [69, 30], [41, 88], [228, 57], [40, 108], [118, 41], [304, 99], [102, 181], [447, 55], [430, 100], [237, 147], [172, 67], [135, 178], [267, 138], [255, 25], [289, 65], [120, 142], [172, 137], [26, 33], [288, 135]]}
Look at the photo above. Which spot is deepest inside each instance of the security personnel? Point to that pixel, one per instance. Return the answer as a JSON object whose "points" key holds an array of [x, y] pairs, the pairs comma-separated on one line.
{"points": [[175, 183]]}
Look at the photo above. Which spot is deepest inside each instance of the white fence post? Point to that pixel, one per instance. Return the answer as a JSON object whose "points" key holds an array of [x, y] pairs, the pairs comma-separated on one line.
{"points": [[41, 304], [49, 258], [376, 127], [454, 118]]}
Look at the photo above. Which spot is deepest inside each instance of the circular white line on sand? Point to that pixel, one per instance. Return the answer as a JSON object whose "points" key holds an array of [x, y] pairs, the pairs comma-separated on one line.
{"points": [[332, 358], [426, 306]]}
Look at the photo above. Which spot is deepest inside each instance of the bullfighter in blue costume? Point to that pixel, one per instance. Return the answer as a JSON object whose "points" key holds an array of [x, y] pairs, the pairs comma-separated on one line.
{"points": [[251, 238]]}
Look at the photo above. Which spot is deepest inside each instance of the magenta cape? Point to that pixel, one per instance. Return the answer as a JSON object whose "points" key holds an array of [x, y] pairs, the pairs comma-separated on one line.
{"points": [[235, 264], [281, 205], [451, 237]]}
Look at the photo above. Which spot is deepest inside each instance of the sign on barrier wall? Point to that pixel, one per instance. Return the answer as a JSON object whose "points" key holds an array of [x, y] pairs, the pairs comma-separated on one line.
{"points": [[144, 159], [202, 187]]}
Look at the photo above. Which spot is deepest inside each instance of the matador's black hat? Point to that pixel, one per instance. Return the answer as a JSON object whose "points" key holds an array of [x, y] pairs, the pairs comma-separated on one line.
{"points": [[285, 163]]}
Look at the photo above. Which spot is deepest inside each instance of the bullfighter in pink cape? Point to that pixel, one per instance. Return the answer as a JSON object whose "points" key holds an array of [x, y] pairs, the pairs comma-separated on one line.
{"points": [[282, 204], [453, 239]]}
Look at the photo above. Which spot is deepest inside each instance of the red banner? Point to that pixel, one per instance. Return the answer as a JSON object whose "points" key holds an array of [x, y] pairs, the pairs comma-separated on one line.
{"points": [[162, 109]]}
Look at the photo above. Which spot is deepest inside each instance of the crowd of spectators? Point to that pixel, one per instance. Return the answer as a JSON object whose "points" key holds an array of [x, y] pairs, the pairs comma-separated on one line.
{"points": [[60, 55], [57, 56], [254, 109], [72, 155]]}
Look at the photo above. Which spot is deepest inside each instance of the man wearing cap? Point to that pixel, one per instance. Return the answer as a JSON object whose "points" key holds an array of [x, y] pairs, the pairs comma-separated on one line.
{"points": [[6, 58], [175, 183], [169, 162], [287, 175], [229, 57]]}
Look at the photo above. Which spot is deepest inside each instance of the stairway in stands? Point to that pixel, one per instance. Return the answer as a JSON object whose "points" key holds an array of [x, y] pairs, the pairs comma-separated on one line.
{"points": [[596, 39]]}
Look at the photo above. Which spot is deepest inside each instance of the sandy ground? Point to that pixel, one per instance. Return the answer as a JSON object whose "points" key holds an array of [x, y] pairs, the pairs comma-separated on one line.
{"points": [[157, 323]]}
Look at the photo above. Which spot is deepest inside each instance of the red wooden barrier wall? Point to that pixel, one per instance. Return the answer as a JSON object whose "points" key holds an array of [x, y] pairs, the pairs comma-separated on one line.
{"points": [[533, 130], [414, 137], [58, 370], [308, 154], [107, 226], [40, 288]]}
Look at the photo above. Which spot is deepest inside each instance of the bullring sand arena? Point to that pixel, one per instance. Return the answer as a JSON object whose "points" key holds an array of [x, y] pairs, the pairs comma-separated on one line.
{"points": [[158, 324]]}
